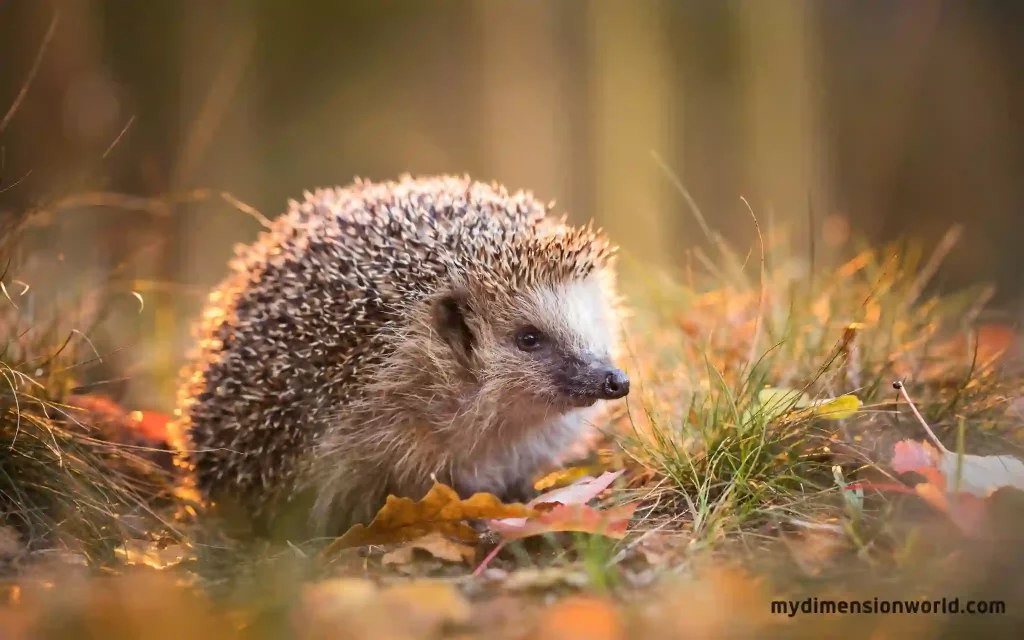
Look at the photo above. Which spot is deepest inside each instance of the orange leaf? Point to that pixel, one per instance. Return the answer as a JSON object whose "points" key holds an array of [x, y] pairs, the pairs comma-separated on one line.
{"points": [[152, 425]]}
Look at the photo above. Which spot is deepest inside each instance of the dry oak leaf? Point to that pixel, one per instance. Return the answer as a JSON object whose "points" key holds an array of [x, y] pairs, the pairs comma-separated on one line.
{"points": [[441, 510], [436, 545]]}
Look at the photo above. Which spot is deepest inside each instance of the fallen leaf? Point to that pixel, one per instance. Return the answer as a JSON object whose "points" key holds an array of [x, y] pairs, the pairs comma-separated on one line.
{"points": [[441, 510], [979, 475], [117, 424], [561, 478], [910, 455], [837, 408], [918, 457], [612, 522], [565, 510], [579, 492], [152, 424], [982, 475], [963, 499], [776, 401], [436, 545]]}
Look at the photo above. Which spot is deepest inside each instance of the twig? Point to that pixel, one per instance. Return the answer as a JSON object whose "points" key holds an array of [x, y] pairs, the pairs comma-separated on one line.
{"points": [[903, 392]]}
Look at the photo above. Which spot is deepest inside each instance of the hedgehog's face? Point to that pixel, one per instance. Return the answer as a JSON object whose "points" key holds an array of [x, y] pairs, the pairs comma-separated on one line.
{"points": [[551, 346]]}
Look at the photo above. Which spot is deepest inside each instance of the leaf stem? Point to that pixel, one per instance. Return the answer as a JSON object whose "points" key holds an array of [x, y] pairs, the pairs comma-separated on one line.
{"points": [[490, 556]]}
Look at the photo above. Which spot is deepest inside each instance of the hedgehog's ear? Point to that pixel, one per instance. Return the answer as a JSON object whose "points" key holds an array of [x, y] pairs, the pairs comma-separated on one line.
{"points": [[450, 312]]}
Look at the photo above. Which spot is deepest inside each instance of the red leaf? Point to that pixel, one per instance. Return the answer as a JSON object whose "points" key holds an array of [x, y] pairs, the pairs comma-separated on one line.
{"points": [[565, 509], [579, 492], [910, 455], [611, 522], [967, 511], [920, 458]]}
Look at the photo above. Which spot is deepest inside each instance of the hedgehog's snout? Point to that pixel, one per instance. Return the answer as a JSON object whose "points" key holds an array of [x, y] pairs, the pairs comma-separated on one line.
{"points": [[587, 382], [616, 385]]}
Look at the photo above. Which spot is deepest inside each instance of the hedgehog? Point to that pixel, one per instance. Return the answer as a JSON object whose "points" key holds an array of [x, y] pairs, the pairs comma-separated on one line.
{"points": [[380, 337]]}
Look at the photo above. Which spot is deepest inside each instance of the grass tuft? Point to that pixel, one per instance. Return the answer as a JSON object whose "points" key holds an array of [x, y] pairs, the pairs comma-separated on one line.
{"points": [[65, 482], [707, 344]]}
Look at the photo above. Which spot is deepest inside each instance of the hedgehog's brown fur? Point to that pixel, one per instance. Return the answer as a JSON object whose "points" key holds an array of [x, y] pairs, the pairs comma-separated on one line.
{"points": [[321, 370]]}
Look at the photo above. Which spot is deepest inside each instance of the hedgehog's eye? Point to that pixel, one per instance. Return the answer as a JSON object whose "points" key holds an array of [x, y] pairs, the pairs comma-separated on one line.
{"points": [[529, 338]]}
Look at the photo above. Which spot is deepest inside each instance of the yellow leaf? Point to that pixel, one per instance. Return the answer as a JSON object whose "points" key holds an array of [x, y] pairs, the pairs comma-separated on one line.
{"points": [[838, 408], [561, 478], [441, 511]]}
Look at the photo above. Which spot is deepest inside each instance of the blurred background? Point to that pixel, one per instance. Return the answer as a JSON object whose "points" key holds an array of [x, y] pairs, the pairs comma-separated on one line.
{"points": [[876, 119]]}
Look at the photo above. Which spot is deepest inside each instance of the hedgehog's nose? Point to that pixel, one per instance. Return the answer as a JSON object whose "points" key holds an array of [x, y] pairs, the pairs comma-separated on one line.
{"points": [[616, 385]]}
